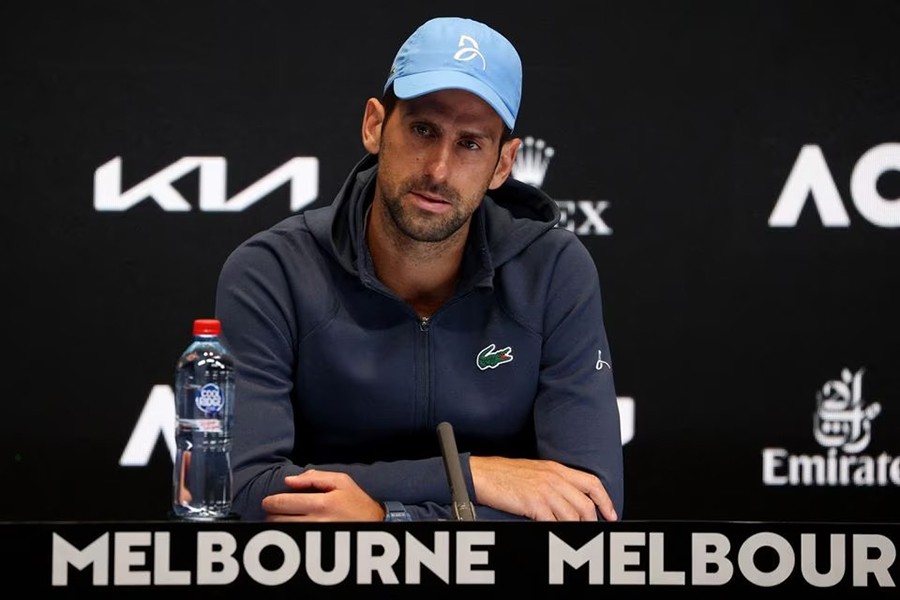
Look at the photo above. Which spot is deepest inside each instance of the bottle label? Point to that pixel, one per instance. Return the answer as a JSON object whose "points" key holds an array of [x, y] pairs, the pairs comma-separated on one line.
{"points": [[209, 399], [202, 425]]}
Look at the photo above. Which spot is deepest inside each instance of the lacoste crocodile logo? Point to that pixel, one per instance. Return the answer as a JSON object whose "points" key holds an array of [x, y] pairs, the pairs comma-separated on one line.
{"points": [[488, 358]]}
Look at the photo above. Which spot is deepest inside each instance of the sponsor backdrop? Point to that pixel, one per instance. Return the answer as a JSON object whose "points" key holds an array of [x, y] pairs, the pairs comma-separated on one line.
{"points": [[734, 169]]}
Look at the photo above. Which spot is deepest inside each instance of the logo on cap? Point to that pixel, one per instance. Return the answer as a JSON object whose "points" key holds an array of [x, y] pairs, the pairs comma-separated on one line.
{"points": [[469, 52]]}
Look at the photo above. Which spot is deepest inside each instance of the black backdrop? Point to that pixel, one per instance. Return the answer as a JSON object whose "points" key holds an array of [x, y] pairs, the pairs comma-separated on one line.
{"points": [[675, 127]]}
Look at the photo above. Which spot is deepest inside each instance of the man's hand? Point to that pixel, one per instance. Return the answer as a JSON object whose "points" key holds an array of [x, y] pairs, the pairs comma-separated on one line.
{"points": [[322, 496], [542, 490]]}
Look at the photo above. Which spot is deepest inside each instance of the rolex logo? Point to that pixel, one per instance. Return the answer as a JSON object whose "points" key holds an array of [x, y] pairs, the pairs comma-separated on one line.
{"points": [[531, 161], [584, 216]]}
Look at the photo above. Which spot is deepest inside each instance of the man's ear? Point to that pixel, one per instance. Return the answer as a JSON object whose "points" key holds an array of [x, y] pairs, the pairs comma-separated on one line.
{"points": [[505, 163], [373, 119]]}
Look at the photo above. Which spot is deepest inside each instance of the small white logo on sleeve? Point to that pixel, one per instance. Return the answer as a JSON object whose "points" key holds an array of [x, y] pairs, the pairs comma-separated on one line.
{"points": [[601, 362]]}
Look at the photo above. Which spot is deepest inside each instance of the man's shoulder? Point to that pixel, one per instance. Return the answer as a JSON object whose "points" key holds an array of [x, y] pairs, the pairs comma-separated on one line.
{"points": [[547, 246], [275, 242], [292, 227]]}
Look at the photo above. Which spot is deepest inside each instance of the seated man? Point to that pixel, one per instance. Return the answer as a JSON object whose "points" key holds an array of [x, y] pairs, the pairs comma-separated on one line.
{"points": [[433, 288]]}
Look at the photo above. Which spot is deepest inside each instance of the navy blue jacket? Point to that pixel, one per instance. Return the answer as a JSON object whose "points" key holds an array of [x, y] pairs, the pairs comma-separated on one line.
{"points": [[338, 373]]}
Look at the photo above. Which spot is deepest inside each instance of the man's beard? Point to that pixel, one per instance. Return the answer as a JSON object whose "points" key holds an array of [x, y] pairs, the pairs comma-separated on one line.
{"points": [[420, 225]]}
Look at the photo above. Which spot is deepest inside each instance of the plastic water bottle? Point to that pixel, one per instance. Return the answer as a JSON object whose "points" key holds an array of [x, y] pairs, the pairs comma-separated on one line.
{"points": [[204, 413]]}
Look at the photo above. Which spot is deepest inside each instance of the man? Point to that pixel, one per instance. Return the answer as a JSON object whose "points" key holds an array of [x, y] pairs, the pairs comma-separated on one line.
{"points": [[434, 288]]}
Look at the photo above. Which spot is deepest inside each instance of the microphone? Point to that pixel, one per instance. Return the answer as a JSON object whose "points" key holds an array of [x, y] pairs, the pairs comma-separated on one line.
{"points": [[463, 509]]}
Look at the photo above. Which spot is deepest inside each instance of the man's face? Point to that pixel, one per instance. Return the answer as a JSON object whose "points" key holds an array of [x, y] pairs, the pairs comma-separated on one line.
{"points": [[438, 155]]}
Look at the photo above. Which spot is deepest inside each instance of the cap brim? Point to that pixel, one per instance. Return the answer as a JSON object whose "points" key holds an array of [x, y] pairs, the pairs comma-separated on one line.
{"points": [[418, 84]]}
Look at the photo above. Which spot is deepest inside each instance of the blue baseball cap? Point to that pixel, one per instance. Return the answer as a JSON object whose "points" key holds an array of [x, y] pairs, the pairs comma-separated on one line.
{"points": [[456, 53]]}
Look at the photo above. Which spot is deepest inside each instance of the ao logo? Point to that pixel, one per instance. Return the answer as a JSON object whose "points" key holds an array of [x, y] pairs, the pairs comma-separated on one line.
{"points": [[158, 416], [811, 178]]}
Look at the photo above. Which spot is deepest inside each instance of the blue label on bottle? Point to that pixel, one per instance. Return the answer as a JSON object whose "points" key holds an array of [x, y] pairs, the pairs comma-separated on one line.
{"points": [[209, 399]]}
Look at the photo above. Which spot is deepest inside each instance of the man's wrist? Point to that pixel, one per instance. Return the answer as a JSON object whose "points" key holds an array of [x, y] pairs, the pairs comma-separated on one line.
{"points": [[395, 511]]}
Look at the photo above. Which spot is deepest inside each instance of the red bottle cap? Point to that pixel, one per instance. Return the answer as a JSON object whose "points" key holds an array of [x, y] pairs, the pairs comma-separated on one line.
{"points": [[207, 327]]}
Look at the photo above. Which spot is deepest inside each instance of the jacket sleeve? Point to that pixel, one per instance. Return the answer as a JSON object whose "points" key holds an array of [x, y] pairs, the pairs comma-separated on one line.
{"points": [[576, 413]]}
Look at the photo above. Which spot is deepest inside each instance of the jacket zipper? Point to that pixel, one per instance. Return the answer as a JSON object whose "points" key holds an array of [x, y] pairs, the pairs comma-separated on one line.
{"points": [[424, 325]]}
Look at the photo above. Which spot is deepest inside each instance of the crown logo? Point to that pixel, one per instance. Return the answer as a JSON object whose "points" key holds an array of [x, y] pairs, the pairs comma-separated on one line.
{"points": [[531, 161]]}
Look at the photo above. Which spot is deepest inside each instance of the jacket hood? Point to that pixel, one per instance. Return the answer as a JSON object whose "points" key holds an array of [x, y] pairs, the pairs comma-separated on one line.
{"points": [[506, 222]]}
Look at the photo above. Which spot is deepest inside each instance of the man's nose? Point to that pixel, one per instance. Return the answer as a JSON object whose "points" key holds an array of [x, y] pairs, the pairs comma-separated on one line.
{"points": [[438, 160]]}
